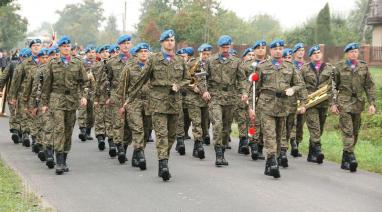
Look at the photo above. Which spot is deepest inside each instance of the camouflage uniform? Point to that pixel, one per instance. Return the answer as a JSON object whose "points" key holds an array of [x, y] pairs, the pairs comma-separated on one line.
{"points": [[316, 116], [273, 81], [351, 84]]}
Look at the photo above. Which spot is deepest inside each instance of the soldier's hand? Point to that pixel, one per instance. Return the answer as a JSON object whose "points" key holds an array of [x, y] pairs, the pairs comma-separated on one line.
{"points": [[122, 112], [12, 102], [252, 114], [372, 110], [175, 87], [334, 109], [289, 92], [244, 98], [84, 102], [206, 96], [34, 112], [196, 89], [302, 110], [44, 109]]}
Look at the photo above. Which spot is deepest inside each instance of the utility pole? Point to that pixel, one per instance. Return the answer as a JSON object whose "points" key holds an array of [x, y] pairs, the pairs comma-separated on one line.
{"points": [[124, 18]]}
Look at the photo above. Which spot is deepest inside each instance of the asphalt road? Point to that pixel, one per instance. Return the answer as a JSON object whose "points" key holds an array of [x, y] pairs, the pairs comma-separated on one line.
{"points": [[98, 183]]}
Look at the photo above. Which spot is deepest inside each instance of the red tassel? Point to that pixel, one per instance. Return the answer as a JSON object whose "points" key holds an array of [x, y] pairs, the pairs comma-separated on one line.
{"points": [[254, 77], [252, 131]]}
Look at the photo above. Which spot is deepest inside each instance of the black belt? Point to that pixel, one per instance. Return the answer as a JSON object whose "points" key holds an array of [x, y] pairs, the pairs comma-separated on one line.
{"points": [[274, 93]]}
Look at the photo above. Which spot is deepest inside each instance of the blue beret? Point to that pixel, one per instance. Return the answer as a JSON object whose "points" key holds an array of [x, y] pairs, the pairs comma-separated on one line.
{"points": [[246, 51], [313, 49], [287, 52], [297, 47], [351, 46], [123, 38], [42, 52], [204, 47], [224, 40], [64, 40], [89, 48], [180, 51], [52, 50], [113, 48], [102, 48], [259, 43], [34, 41], [233, 52], [133, 50], [140, 46], [25, 52], [166, 34], [276, 43], [189, 51]]}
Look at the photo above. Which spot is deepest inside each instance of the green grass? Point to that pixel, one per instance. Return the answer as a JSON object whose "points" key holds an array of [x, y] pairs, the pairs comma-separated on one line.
{"points": [[13, 195], [369, 147]]}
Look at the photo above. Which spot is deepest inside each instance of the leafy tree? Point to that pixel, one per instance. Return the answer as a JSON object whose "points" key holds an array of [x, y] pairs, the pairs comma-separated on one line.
{"points": [[110, 34], [323, 26], [13, 26]]}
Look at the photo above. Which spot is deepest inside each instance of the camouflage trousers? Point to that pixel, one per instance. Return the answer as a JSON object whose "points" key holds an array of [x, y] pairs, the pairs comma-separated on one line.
{"points": [[183, 123], [196, 120], [290, 125], [315, 120], [14, 119], [300, 121], [241, 117], [103, 120], [37, 126], [24, 117], [165, 131], [221, 118], [47, 129], [258, 138], [205, 121], [121, 131], [273, 129], [64, 121], [86, 115], [139, 123], [350, 124]]}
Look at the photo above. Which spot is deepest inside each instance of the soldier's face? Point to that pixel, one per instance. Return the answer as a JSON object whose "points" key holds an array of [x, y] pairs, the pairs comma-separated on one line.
{"points": [[125, 46], [316, 56], [288, 58], [277, 52], [168, 44], [143, 55], [300, 53], [91, 54], [249, 56], [205, 55], [104, 54], [53, 55], [353, 54], [35, 48], [44, 59], [65, 49], [261, 51], [224, 49], [184, 56]]}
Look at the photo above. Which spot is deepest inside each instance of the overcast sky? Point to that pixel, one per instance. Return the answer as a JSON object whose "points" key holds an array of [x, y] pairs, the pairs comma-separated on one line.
{"points": [[290, 12]]}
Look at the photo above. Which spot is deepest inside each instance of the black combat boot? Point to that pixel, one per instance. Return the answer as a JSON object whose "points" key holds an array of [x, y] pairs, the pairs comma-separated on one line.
{"points": [[101, 142], [283, 159], [227, 146], [112, 148], [219, 156], [315, 154], [225, 162], [243, 146], [254, 150], [60, 163], [35, 146], [293, 148], [26, 141], [272, 168], [15, 136], [64, 164], [82, 135], [88, 133], [260, 149], [198, 147], [140, 156], [49, 158], [41, 153], [353, 164], [134, 159], [164, 172], [345, 160], [207, 140], [121, 153], [180, 147], [194, 151]]}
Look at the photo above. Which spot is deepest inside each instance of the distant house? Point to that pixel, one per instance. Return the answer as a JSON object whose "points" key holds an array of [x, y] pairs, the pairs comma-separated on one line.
{"points": [[375, 20]]}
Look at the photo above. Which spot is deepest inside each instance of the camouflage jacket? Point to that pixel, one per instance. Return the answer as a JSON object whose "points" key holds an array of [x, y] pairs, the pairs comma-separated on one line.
{"points": [[351, 85], [272, 84], [33, 87], [224, 77], [62, 84], [7, 74], [162, 74], [315, 80], [20, 78]]}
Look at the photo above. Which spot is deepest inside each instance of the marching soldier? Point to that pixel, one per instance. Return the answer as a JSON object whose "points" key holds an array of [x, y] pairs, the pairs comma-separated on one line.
{"points": [[114, 50], [135, 112], [19, 81], [85, 115], [108, 84], [352, 79], [66, 76], [277, 81], [257, 143], [167, 74], [296, 132], [316, 75], [224, 73], [6, 80]]}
